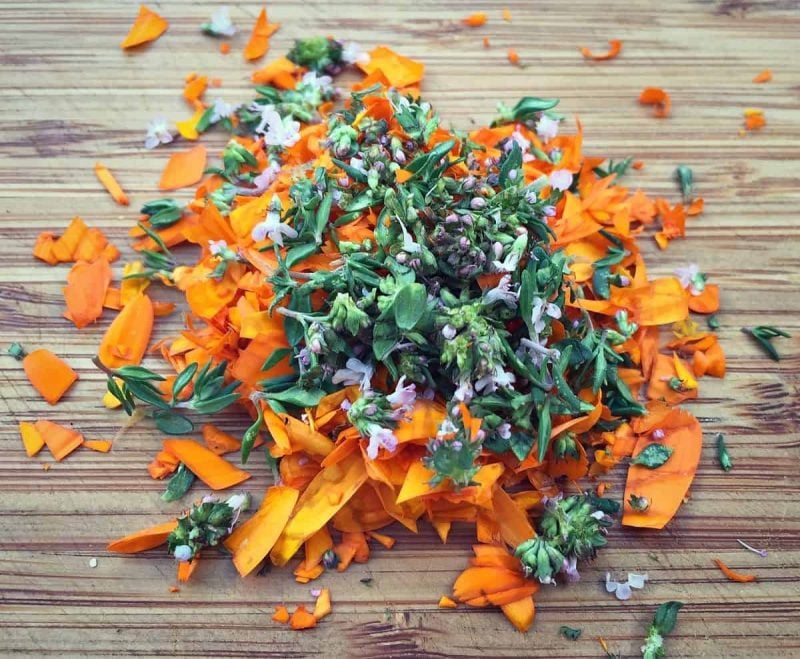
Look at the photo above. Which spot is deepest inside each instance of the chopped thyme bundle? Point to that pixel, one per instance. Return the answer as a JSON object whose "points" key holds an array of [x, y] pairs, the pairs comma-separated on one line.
{"points": [[422, 324]]}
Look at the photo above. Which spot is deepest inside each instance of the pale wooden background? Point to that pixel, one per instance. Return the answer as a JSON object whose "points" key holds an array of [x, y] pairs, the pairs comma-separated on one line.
{"points": [[70, 96]]}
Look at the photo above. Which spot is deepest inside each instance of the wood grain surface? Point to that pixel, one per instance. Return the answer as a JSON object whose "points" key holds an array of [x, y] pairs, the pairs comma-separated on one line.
{"points": [[70, 96]]}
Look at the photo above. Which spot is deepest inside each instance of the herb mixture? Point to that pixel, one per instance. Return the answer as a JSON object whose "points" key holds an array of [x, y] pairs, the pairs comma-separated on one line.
{"points": [[425, 326]]}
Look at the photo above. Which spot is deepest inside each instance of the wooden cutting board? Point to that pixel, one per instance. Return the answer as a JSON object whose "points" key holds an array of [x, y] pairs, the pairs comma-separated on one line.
{"points": [[70, 97]]}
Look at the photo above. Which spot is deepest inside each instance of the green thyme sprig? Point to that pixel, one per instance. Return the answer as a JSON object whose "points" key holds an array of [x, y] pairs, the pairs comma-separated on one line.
{"points": [[162, 213], [571, 530], [158, 264], [453, 454], [208, 393], [205, 525], [763, 335], [663, 623]]}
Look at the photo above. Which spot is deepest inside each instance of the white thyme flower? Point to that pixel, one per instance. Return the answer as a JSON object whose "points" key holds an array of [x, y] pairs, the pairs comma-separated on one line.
{"points": [[158, 132]]}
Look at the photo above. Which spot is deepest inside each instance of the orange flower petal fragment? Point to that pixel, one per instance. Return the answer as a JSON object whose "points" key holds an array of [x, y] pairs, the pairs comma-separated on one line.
{"points": [[764, 76], [143, 540], [214, 471], [615, 47], [258, 44], [659, 99], [486, 42], [60, 441], [186, 569], [148, 26], [281, 614], [400, 71], [475, 20], [278, 73], [49, 374], [184, 168], [330, 490], [734, 576], [126, 339], [506, 15], [85, 291], [99, 445], [520, 613], [252, 541], [754, 119], [322, 607], [195, 89], [513, 56], [31, 438], [224, 48], [446, 603], [666, 486], [110, 183], [302, 619]]}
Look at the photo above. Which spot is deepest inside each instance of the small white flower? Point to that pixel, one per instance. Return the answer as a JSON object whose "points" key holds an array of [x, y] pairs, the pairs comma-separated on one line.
{"points": [[637, 580], [217, 247], [449, 332], [266, 178], [692, 279], [157, 133], [380, 437], [560, 179], [622, 590], [355, 372], [182, 553], [220, 24], [499, 378], [502, 293], [504, 431], [546, 128], [404, 395], [272, 227], [322, 84], [464, 392], [358, 164], [410, 245], [353, 54], [222, 110], [541, 308], [277, 131], [518, 138]]}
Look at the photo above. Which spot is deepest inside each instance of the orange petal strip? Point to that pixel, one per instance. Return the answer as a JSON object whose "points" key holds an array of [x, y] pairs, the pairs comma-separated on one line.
{"points": [[61, 441], [49, 374], [148, 538], [214, 471], [734, 576], [615, 47], [184, 169], [110, 183]]}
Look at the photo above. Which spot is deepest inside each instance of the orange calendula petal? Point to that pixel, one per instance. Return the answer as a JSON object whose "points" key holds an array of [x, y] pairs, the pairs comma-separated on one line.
{"points": [[252, 541], [110, 183], [194, 90], [60, 441], [281, 614], [658, 99], [186, 569], [258, 44], [446, 603], [184, 168], [614, 49], [475, 20], [98, 445], [400, 71], [85, 291], [322, 607], [49, 374], [214, 471], [763, 76], [664, 487], [734, 576], [302, 619], [126, 339], [520, 613], [143, 540], [188, 127], [513, 56], [148, 26], [31, 438], [323, 498]]}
